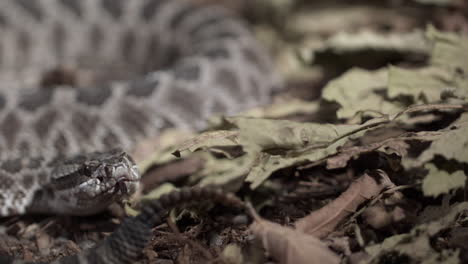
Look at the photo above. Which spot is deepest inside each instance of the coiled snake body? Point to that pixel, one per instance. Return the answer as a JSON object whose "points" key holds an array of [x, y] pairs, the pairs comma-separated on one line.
{"points": [[61, 147]]}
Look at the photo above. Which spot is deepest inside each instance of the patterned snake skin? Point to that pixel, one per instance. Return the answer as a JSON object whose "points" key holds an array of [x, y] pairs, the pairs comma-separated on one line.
{"points": [[207, 62], [127, 69]]}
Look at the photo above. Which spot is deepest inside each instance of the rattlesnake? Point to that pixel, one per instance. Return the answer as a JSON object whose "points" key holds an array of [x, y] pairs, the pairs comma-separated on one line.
{"points": [[63, 148]]}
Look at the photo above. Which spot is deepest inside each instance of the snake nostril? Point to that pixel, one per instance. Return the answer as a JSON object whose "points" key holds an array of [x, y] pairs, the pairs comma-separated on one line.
{"points": [[108, 170]]}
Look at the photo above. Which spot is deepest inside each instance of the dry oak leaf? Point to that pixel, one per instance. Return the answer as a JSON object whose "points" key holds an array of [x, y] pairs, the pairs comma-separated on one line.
{"points": [[324, 220], [289, 246]]}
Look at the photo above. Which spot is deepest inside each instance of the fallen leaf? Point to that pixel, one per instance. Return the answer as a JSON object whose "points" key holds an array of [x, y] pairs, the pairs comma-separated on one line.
{"points": [[268, 134], [424, 83], [390, 145], [323, 221], [451, 144], [449, 49], [299, 143], [289, 246], [412, 42], [284, 108], [356, 91], [416, 245], [208, 139], [439, 182]]}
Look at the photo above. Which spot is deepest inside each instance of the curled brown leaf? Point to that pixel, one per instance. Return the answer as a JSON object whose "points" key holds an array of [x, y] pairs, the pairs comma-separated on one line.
{"points": [[290, 246], [323, 221]]}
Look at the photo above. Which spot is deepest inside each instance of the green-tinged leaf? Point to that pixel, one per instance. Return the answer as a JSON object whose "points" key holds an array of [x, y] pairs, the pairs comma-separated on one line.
{"points": [[158, 191], [426, 83], [448, 58], [439, 182], [451, 144], [209, 139], [416, 244], [294, 62], [266, 134], [449, 50], [309, 22], [322, 141], [357, 91], [283, 109], [224, 172], [266, 164], [413, 42]]}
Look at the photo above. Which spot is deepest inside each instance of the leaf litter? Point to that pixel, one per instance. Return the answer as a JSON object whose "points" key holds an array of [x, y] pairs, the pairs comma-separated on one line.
{"points": [[389, 129], [397, 135]]}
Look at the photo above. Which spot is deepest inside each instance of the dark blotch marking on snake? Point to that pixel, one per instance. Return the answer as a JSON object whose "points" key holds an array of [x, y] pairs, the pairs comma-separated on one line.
{"points": [[28, 180], [187, 72], [74, 6], [35, 163], [2, 199], [61, 143], [219, 106], [114, 7], [12, 165], [94, 96], [58, 76], [24, 43], [84, 124], [128, 45], [33, 101], [110, 139], [3, 19], [6, 182], [59, 38], [44, 123], [204, 24], [229, 82], [96, 38], [10, 128], [178, 18], [189, 101], [133, 120], [32, 7], [255, 60], [142, 88], [217, 52], [42, 177], [160, 59], [150, 9], [2, 101]]}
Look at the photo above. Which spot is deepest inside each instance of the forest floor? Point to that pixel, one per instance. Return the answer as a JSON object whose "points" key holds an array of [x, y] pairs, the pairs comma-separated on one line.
{"points": [[363, 158]]}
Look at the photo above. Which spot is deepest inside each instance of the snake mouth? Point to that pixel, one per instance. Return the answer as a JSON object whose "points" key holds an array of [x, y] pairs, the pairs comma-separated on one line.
{"points": [[121, 186]]}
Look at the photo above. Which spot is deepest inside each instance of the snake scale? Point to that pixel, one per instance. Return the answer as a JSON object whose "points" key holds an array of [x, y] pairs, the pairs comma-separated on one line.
{"points": [[83, 81]]}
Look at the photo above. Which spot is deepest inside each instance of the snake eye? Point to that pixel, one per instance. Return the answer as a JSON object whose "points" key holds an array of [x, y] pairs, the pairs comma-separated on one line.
{"points": [[87, 170]]}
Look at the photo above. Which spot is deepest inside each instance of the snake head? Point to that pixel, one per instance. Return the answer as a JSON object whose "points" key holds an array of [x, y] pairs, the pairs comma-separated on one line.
{"points": [[113, 172], [86, 184]]}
